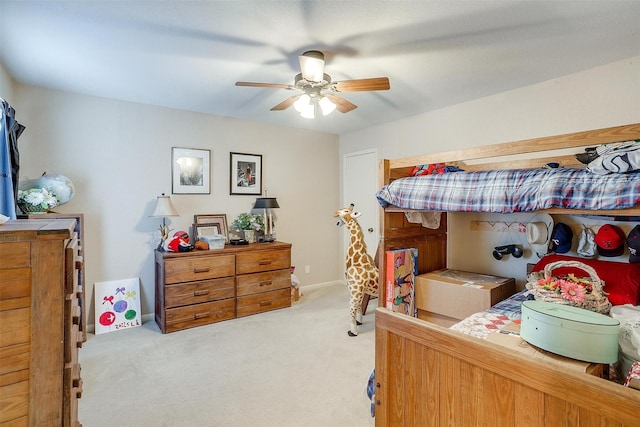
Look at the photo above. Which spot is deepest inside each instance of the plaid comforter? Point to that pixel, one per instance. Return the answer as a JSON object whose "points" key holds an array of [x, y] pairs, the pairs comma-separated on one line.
{"points": [[518, 190]]}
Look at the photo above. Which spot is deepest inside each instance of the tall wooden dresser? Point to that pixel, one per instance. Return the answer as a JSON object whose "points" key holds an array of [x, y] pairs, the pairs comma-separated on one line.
{"points": [[40, 316], [201, 287]]}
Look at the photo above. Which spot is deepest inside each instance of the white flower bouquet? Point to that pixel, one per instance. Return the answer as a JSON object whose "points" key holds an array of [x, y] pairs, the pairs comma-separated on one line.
{"points": [[36, 200]]}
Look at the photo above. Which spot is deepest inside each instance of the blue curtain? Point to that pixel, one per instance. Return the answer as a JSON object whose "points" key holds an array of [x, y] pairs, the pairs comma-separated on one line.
{"points": [[10, 131]]}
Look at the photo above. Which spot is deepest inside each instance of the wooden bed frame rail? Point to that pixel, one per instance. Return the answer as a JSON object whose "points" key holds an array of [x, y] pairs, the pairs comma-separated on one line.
{"points": [[427, 375], [432, 376]]}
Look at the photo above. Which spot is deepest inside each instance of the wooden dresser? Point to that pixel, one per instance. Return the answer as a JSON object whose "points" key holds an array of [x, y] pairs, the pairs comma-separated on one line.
{"points": [[201, 287], [40, 314]]}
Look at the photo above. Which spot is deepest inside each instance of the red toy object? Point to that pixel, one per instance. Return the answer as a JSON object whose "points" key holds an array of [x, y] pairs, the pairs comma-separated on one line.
{"points": [[179, 243], [433, 169]]}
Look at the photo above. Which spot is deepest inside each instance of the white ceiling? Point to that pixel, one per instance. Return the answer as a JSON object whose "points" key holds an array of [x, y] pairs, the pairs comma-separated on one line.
{"points": [[188, 54]]}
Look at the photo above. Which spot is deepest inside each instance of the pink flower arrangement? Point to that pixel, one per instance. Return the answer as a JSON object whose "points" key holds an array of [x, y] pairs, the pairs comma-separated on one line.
{"points": [[572, 291], [572, 288]]}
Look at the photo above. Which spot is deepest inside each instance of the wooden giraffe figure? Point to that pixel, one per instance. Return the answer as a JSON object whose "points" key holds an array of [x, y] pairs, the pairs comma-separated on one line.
{"points": [[361, 272]]}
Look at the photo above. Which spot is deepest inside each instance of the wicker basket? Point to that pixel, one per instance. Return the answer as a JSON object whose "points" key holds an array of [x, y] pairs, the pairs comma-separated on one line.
{"points": [[30, 209], [595, 299]]}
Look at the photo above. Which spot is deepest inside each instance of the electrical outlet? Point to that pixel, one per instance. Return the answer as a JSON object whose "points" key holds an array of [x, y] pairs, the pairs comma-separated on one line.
{"points": [[307, 269]]}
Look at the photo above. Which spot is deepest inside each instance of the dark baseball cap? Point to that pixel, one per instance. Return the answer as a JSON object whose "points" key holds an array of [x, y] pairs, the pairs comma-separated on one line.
{"points": [[633, 242], [561, 238]]}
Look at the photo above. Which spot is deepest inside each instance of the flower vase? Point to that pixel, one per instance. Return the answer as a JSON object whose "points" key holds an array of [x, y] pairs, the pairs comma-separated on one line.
{"points": [[250, 236], [30, 209]]}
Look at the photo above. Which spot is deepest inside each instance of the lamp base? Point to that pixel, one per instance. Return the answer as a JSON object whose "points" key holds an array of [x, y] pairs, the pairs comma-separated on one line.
{"points": [[267, 239]]}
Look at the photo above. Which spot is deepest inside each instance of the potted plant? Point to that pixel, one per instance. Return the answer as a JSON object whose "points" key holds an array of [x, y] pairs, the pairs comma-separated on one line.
{"points": [[36, 200], [248, 223]]}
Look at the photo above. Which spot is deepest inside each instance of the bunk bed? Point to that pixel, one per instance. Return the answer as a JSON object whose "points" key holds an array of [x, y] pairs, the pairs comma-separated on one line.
{"points": [[428, 375]]}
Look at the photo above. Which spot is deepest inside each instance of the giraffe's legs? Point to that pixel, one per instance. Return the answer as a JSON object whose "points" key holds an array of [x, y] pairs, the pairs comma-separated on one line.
{"points": [[355, 306]]}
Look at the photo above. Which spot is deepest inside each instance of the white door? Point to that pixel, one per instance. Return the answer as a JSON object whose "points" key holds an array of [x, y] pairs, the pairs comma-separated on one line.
{"points": [[360, 172]]}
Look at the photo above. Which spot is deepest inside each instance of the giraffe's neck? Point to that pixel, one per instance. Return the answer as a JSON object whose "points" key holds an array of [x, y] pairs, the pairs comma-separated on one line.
{"points": [[357, 245]]}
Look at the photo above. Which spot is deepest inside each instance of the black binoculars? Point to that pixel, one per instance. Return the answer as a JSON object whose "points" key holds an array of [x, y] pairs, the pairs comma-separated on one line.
{"points": [[500, 251]]}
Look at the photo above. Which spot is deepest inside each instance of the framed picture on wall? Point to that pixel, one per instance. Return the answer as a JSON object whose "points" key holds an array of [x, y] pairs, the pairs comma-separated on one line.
{"points": [[245, 174], [190, 171], [204, 224]]}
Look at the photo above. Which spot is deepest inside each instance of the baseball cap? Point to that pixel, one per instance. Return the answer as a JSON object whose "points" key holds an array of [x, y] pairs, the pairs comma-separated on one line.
{"points": [[561, 238], [610, 240], [633, 241]]}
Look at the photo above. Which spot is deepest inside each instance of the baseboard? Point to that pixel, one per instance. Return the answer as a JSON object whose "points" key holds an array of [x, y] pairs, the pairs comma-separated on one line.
{"points": [[323, 284]]}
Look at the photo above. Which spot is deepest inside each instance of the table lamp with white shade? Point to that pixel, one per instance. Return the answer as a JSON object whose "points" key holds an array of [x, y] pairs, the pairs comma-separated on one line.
{"points": [[163, 209]]}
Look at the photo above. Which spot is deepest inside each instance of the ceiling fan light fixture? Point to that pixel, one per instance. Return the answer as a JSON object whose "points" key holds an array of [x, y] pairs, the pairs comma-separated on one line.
{"points": [[326, 106], [312, 65], [302, 103], [309, 112]]}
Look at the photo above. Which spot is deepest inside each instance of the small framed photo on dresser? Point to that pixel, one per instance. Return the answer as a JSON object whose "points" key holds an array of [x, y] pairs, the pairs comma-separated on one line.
{"points": [[207, 224]]}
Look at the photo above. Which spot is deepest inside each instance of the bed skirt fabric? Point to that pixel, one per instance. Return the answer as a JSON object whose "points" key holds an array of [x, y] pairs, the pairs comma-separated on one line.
{"points": [[516, 190]]}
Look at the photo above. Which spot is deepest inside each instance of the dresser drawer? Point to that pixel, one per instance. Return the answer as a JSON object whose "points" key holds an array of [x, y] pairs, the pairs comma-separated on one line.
{"points": [[189, 269], [14, 358], [262, 282], [15, 290], [14, 401], [255, 262], [16, 327], [200, 314], [198, 292], [72, 385], [266, 301], [15, 254]]}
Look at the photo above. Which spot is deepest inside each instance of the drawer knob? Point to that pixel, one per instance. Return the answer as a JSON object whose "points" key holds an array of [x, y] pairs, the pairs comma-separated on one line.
{"points": [[267, 283], [200, 316], [264, 303], [201, 270], [201, 293], [265, 262]]}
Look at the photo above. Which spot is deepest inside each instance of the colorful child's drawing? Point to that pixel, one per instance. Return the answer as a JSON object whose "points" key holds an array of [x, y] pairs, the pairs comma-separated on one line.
{"points": [[117, 305]]}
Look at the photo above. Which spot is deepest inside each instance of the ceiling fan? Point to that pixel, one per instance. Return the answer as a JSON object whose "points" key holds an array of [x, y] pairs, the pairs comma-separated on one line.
{"points": [[317, 91]]}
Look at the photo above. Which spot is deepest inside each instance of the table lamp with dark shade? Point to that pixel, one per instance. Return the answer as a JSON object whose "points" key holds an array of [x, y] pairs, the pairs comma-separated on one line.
{"points": [[267, 203]]}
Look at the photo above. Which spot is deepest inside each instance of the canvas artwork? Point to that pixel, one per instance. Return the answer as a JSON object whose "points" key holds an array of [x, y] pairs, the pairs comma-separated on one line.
{"points": [[400, 281], [117, 305]]}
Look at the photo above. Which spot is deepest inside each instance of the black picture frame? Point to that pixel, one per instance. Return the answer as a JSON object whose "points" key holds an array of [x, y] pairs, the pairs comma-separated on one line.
{"points": [[245, 174]]}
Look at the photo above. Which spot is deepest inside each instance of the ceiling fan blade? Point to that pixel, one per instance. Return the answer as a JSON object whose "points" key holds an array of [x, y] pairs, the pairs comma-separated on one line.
{"points": [[274, 85], [286, 103], [377, 83], [312, 65], [342, 104]]}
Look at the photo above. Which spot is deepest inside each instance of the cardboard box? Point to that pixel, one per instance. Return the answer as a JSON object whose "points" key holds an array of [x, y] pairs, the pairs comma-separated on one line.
{"points": [[459, 294], [515, 342]]}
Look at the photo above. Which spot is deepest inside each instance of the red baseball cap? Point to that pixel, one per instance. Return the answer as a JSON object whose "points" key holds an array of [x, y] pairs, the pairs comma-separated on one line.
{"points": [[610, 240]]}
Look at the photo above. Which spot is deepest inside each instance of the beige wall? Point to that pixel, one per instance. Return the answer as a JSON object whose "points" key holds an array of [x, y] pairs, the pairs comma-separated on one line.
{"points": [[118, 156], [6, 85], [601, 97]]}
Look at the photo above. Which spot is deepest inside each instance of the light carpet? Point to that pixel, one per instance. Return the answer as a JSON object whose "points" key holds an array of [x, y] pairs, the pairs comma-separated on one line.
{"points": [[289, 367]]}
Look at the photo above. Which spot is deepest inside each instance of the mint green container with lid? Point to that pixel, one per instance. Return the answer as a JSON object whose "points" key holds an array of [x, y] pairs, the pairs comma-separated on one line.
{"points": [[570, 331]]}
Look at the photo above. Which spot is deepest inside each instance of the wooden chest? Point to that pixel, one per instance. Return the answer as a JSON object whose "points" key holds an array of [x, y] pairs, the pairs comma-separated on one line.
{"points": [[202, 287], [40, 323]]}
